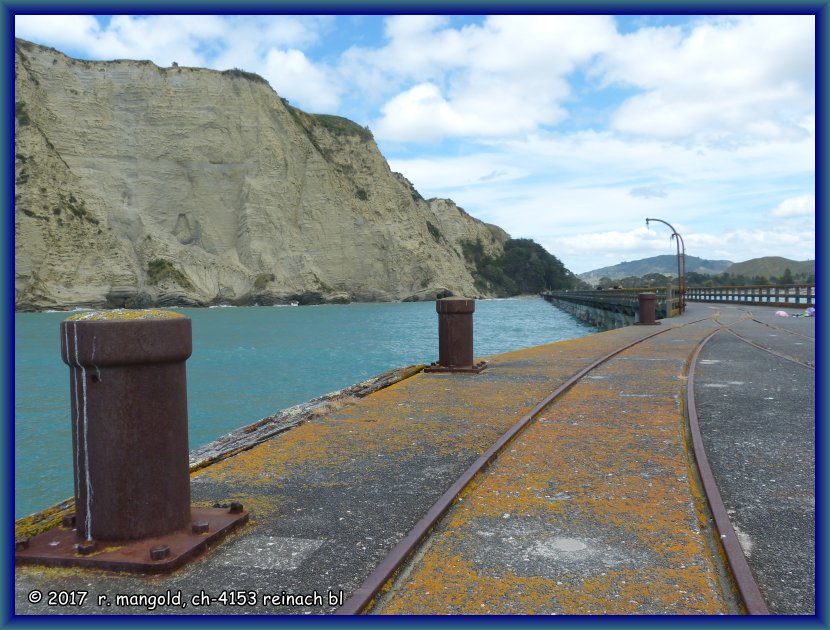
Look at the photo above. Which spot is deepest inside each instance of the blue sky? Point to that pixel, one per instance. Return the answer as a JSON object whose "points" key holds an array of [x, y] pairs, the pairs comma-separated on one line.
{"points": [[570, 130]]}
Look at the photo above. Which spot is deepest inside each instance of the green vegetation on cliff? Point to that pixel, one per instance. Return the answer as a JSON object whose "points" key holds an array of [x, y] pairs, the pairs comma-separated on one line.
{"points": [[524, 267], [343, 126], [242, 74], [335, 124], [160, 270]]}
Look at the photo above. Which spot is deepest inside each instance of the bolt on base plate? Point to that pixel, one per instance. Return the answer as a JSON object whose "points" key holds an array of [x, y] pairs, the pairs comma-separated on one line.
{"points": [[61, 546]]}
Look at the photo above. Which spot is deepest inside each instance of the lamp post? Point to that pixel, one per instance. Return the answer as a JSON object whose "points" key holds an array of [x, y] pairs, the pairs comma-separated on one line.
{"points": [[681, 263]]}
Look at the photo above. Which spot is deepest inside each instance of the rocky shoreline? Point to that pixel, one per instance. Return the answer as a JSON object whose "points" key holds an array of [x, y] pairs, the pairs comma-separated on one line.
{"points": [[182, 301]]}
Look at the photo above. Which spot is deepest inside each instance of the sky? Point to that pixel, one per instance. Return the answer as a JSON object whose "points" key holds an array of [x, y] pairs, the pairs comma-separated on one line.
{"points": [[567, 129]]}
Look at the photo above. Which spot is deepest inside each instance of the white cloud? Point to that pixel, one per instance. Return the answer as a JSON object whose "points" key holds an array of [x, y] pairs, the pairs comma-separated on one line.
{"points": [[250, 39], [727, 81], [637, 241], [59, 30], [290, 30], [648, 192], [404, 27], [162, 39], [424, 114], [801, 206], [743, 244], [573, 194], [549, 44], [457, 174], [505, 76], [421, 114], [591, 160], [420, 48], [586, 251], [294, 76]]}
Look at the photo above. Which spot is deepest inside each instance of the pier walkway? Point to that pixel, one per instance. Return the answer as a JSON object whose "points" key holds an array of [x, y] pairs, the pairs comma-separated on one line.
{"points": [[593, 507]]}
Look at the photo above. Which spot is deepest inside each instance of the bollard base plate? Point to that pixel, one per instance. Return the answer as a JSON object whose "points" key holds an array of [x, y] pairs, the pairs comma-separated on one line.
{"points": [[58, 547], [469, 369]]}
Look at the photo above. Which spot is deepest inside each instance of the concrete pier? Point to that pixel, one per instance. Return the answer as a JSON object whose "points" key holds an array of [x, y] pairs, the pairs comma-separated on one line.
{"points": [[615, 308], [594, 508]]}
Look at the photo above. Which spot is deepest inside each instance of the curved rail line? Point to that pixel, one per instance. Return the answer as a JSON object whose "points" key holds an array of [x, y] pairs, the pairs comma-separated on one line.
{"points": [[386, 569], [741, 573], [770, 350], [786, 330], [773, 326]]}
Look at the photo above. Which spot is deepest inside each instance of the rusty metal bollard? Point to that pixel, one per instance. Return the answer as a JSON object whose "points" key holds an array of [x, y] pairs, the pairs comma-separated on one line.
{"points": [[648, 304], [129, 445], [455, 336], [129, 422]]}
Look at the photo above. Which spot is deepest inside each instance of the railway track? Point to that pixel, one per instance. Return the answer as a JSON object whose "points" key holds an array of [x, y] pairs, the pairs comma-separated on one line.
{"points": [[342, 497], [747, 589]]}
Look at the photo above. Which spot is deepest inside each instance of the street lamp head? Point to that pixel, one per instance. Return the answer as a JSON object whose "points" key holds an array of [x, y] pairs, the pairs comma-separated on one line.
{"points": [[681, 259]]}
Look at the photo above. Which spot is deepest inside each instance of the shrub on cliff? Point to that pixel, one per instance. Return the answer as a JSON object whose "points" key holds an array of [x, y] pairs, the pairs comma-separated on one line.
{"points": [[159, 270], [524, 267]]}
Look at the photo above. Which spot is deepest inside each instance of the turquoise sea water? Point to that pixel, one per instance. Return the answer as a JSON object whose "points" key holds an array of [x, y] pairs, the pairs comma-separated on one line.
{"points": [[251, 362]]}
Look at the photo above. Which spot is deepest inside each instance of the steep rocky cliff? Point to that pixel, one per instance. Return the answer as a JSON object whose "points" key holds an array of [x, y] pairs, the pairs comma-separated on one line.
{"points": [[137, 185]]}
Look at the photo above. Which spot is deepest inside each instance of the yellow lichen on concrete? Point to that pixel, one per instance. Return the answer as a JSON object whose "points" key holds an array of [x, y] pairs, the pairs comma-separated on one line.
{"points": [[39, 522], [467, 414], [458, 589], [606, 464], [607, 461], [460, 586], [644, 590]]}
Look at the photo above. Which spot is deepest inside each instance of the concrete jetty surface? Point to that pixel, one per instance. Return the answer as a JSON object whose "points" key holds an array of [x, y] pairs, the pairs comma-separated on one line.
{"points": [[595, 508]]}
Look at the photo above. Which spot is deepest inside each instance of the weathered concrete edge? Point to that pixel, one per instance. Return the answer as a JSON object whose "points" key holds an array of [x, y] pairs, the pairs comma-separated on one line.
{"points": [[247, 437], [605, 319], [242, 439]]}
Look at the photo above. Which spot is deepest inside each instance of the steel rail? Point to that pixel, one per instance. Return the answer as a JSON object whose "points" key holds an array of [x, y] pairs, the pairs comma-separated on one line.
{"points": [[372, 585], [791, 332], [738, 565], [774, 327], [771, 351]]}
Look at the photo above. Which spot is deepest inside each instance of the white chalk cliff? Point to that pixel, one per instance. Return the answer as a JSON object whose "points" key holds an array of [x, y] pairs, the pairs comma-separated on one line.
{"points": [[137, 185]]}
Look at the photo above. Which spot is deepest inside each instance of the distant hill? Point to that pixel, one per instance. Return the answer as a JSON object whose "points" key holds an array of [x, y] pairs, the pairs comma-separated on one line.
{"points": [[771, 266], [665, 264]]}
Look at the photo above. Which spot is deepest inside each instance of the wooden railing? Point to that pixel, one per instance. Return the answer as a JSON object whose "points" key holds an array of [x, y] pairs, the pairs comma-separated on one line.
{"points": [[794, 295]]}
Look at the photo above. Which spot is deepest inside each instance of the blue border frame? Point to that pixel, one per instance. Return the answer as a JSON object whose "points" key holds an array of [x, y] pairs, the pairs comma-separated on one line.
{"points": [[823, 382], [819, 8]]}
